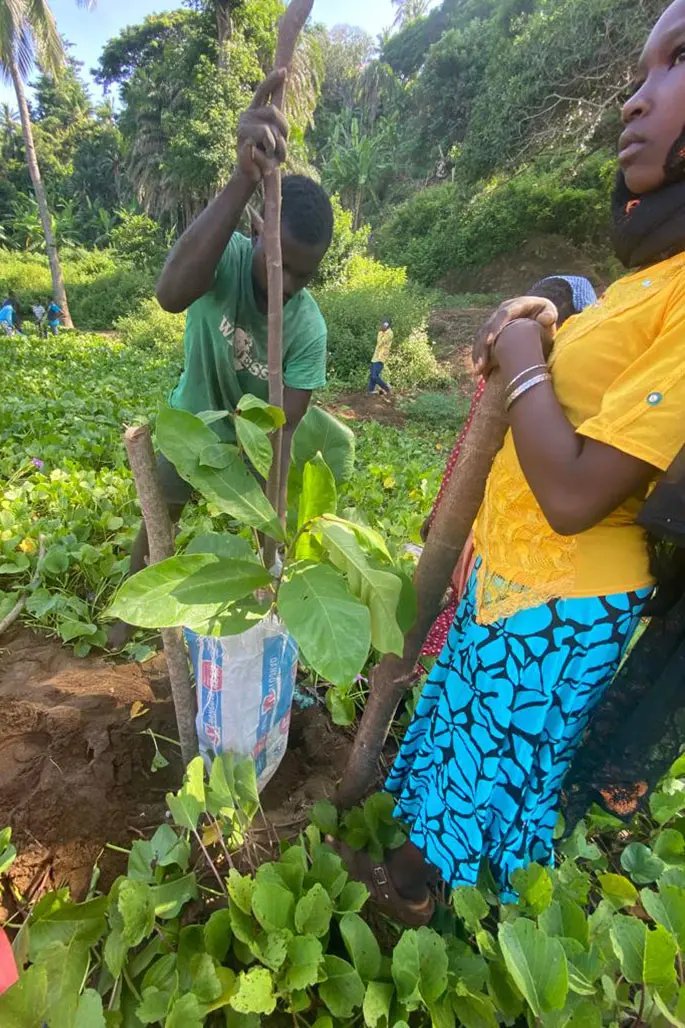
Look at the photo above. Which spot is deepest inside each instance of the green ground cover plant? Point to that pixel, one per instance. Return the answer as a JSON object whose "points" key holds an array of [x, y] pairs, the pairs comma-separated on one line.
{"points": [[66, 483]]}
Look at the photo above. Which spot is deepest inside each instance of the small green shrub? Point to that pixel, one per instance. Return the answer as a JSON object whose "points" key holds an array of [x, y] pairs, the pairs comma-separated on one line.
{"points": [[437, 409], [149, 327], [413, 364]]}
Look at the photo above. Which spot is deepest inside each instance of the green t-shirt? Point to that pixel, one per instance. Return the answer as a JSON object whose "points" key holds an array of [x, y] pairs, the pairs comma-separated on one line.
{"points": [[226, 345]]}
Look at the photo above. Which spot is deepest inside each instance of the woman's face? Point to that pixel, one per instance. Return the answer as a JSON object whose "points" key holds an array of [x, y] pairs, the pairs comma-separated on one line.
{"points": [[655, 114]]}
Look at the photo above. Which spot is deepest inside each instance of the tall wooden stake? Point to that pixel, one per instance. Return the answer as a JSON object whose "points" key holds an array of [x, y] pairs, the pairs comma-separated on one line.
{"points": [[448, 536], [160, 536], [290, 26]]}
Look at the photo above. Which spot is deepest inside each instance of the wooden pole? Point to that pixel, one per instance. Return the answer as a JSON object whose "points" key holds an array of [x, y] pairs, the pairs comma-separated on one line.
{"points": [[447, 538], [160, 534], [289, 28]]}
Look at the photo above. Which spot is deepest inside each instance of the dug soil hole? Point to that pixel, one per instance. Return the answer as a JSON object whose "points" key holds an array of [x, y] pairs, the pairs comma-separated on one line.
{"points": [[75, 763]]}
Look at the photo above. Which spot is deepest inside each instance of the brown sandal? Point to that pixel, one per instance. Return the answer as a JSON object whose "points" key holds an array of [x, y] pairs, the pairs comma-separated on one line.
{"points": [[376, 877]]}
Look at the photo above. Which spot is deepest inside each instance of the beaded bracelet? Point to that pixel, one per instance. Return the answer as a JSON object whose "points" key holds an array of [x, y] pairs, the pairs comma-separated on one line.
{"points": [[522, 374], [522, 389]]}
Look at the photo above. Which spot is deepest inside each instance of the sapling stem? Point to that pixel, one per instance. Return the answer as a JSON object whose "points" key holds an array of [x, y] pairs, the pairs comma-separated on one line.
{"points": [[289, 28]]}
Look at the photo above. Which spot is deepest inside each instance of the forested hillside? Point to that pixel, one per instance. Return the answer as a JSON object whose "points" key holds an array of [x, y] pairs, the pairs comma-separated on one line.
{"points": [[457, 136]]}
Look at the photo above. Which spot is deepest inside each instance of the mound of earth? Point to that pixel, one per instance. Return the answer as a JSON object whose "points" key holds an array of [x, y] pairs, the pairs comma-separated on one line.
{"points": [[75, 764], [513, 273]]}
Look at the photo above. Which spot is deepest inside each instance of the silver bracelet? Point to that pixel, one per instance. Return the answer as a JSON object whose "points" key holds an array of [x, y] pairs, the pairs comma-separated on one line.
{"points": [[522, 389], [522, 374]]}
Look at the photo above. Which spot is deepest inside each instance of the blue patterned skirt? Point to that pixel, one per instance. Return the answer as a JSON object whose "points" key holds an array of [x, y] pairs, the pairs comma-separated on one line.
{"points": [[500, 718]]}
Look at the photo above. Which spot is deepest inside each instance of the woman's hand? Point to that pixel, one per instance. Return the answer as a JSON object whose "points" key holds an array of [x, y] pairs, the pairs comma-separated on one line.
{"points": [[532, 307]]}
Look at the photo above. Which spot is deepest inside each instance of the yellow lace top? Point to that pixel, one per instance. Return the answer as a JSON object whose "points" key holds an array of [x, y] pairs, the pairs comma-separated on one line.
{"points": [[618, 371]]}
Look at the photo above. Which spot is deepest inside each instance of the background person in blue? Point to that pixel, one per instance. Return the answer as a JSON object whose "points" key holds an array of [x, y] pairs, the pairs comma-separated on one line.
{"points": [[7, 318], [55, 313]]}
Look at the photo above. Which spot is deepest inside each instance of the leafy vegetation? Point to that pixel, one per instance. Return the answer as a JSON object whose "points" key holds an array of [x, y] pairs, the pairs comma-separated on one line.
{"points": [[435, 167], [596, 941], [67, 487]]}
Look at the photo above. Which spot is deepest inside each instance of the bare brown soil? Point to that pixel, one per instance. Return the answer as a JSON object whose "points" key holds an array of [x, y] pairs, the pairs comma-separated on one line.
{"points": [[75, 765]]}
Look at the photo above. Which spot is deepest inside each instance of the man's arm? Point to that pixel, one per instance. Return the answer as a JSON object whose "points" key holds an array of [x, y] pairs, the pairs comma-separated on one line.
{"points": [[191, 266]]}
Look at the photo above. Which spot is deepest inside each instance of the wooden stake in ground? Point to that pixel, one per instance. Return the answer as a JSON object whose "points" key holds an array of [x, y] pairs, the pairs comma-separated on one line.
{"points": [[447, 538], [160, 536], [290, 26]]}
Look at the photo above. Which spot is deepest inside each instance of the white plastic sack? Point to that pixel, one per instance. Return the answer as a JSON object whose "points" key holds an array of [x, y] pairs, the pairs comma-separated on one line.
{"points": [[244, 693]]}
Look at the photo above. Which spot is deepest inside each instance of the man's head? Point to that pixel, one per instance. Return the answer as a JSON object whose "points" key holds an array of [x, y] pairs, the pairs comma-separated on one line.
{"points": [[385, 324], [306, 233], [652, 147]]}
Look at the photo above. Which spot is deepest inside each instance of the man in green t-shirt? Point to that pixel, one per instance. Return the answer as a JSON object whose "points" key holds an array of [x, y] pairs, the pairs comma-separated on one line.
{"points": [[219, 276]]}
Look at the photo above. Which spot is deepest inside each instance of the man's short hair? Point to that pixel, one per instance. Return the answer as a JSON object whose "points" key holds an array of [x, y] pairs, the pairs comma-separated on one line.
{"points": [[307, 211]]}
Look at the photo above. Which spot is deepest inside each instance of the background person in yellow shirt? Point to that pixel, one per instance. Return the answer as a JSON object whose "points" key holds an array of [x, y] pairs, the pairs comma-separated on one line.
{"points": [[380, 358], [562, 573]]}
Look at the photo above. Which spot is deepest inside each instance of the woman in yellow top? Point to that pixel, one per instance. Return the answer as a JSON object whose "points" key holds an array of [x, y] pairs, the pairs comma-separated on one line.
{"points": [[380, 358], [563, 573]]}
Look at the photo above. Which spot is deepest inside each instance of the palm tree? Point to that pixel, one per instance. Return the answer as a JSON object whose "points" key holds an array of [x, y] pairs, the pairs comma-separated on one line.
{"points": [[28, 34], [409, 10]]}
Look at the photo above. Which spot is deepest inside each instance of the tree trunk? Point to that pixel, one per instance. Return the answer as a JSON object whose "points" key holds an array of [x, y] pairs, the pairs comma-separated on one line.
{"points": [[59, 293], [448, 535], [224, 31]]}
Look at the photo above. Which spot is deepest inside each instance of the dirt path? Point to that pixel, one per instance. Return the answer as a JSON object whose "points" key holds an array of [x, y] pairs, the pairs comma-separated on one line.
{"points": [[75, 766], [359, 406]]}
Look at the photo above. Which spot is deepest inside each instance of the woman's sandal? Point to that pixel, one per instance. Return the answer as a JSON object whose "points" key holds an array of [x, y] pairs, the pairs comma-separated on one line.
{"points": [[376, 877]]}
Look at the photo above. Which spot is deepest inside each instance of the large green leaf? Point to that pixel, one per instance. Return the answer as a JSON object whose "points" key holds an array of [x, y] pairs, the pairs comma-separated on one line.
{"points": [[256, 444], [224, 545], [25, 1003], [183, 439], [330, 625], [314, 912], [261, 413], [380, 590], [377, 1004], [667, 909], [641, 864], [56, 919], [628, 935], [619, 890], [305, 959], [273, 905], [362, 946], [319, 495], [343, 991], [534, 886], [320, 432], [419, 967], [66, 966], [89, 1012], [537, 964], [148, 599], [646, 955], [221, 581], [255, 994], [190, 801]]}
